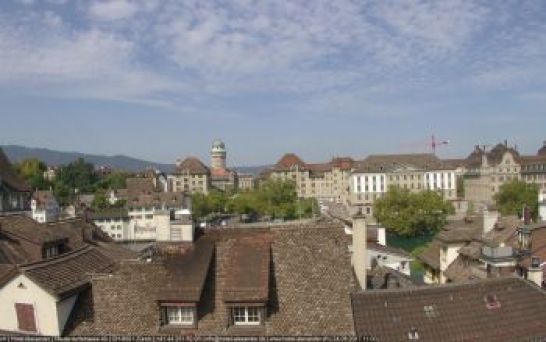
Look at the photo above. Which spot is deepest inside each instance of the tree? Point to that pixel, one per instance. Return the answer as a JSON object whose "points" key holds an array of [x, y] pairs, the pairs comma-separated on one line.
{"points": [[78, 175], [514, 195], [32, 170], [411, 214], [100, 201]]}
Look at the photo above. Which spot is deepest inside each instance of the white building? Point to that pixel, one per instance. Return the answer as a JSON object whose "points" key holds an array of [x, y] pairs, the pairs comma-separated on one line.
{"points": [[164, 216], [44, 206], [542, 205]]}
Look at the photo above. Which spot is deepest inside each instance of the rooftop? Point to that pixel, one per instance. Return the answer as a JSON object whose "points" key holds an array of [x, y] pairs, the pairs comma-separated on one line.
{"points": [[501, 309]]}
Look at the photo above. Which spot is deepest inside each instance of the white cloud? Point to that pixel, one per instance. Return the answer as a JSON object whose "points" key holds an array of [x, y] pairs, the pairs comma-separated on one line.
{"points": [[109, 10]]}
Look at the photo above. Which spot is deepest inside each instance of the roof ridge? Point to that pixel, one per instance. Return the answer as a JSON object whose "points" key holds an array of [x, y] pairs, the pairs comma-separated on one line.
{"points": [[62, 257], [439, 287]]}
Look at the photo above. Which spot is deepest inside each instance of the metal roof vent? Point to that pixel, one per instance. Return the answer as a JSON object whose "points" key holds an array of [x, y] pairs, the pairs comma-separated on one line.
{"points": [[413, 334]]}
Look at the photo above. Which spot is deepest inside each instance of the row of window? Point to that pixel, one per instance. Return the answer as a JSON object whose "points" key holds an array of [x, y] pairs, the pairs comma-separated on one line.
{"points": [[185, 316]]}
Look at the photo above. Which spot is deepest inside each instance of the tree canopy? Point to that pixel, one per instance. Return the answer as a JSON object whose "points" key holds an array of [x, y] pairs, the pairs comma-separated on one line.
{"points": [[514, 195], [412, 213], [32, 170], [274, 198]]}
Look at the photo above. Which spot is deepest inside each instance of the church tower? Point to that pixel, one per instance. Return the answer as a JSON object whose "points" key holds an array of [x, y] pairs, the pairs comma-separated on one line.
{"points": [[218, 154]]}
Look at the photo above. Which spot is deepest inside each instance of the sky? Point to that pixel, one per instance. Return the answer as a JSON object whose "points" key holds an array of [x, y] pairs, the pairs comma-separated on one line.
{"points": [[160, 79]]}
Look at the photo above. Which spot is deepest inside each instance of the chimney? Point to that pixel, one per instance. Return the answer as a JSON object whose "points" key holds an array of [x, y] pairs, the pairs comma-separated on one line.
{"points": [[534, 272], [490, 217], [359, 257]]}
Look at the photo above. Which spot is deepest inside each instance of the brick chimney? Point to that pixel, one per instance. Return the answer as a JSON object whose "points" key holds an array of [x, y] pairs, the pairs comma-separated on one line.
{"points": [[534, 272], [359, 257]]}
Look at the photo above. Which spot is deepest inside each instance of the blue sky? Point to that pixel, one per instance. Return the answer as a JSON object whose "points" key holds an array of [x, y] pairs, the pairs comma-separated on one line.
{"points": [[160, 79]]}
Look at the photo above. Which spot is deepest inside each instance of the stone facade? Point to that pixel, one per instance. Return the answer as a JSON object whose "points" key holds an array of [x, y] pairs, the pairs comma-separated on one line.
{"points": [[325, 181]]}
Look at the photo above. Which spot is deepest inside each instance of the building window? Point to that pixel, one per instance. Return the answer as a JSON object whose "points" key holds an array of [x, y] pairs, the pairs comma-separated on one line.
{"points": [[245, 315], [50, 252], [178, 315]]}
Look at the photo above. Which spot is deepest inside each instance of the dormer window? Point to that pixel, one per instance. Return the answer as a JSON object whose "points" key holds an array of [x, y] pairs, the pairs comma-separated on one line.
{"points": [[178, 315], [51, 251], [246, 315]]}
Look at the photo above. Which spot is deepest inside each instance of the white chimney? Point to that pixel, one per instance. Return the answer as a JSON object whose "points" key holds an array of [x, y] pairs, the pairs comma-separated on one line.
{"points": [[359, 258], [534, 272], [490, 217]]}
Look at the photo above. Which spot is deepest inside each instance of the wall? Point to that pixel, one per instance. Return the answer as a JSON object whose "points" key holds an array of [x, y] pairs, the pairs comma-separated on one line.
{"points": [[45, 306]]}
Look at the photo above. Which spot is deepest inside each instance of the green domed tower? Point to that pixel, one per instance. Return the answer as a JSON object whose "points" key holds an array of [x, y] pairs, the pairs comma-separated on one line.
{"points": [[218, 154]]}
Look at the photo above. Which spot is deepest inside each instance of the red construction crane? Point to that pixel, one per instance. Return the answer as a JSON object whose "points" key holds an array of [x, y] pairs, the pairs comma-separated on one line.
{"points": [[434, 144], [431, 144]]}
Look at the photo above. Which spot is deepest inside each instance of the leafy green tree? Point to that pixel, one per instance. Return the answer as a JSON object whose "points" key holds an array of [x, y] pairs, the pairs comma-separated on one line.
{"points": [[115, 180], [514, 195], [411, 214], [100, 201], [78, 175], [32, 170]]}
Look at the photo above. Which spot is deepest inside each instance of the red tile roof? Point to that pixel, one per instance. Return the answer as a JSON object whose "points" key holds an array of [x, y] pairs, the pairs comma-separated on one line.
{"points": [[192, 165]]}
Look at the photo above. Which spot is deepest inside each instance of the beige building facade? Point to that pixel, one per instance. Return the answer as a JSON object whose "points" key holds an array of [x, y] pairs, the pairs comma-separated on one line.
{"points": [[374, 175], [324, 181], [486, 171]]}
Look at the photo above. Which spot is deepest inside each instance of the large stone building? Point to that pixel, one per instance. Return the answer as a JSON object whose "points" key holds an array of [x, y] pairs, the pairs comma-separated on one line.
{"points": [[193, 176], [323, 181], [14, 192], [373, 176], [486, 171]]}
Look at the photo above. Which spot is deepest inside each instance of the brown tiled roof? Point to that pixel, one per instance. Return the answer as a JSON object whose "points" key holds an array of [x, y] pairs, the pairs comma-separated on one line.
{"points": [[430, 256], [68, 272], [248, 270], [186, 266], [289, 160], [504, 231], [9, 176], [344, 163], [140, 186], [28, 229], [192, 165], [473, 250], [305, 298], [455, 312], [465, 230], [462, 269], [383, 277], [532, 160]]}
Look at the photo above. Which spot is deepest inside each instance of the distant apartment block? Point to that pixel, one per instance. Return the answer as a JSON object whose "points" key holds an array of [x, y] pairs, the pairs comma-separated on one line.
{"points": [[324, 181], [373, 176]]}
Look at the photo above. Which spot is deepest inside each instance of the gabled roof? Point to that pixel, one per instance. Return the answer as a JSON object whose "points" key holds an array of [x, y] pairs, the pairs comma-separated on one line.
{"points": [[461, 270], [502, 309], [8, 175], [288, 161], [140, 186], [248, 270], [304, 298], [68, 272], [26, 228], [192, 165], [430, 256]]}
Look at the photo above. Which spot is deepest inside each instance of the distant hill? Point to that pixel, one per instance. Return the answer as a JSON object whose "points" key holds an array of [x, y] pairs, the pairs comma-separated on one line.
{"points": [[16, 153]]}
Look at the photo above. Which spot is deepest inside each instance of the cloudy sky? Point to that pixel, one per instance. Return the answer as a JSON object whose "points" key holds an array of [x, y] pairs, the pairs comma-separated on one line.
{"points": [[160, 79]]}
